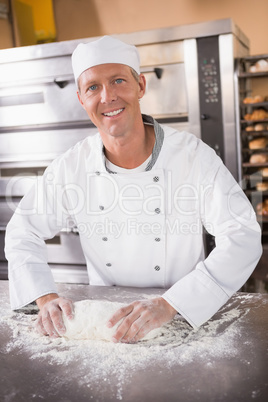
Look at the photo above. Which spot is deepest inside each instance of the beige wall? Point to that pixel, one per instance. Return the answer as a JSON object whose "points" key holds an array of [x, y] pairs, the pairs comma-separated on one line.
{"points": [[84, 18]]}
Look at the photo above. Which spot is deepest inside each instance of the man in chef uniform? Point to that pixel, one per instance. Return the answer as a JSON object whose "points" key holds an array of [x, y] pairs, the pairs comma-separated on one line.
{"points": [[140, 195]]}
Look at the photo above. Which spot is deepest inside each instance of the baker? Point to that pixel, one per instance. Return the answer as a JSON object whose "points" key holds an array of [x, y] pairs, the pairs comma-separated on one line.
{"points": [[140, 195]]}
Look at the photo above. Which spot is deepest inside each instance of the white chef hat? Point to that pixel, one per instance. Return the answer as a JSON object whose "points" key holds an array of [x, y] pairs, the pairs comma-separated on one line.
{"points": [[102, 51]]}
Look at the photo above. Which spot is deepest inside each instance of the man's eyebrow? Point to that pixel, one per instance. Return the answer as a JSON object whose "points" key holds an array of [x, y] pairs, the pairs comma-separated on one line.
{"points": [[91, 82], [119, 75]]}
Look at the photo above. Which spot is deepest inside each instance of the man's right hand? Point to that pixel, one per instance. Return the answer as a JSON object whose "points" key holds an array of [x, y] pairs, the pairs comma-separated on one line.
{"points": [[50, 321]]}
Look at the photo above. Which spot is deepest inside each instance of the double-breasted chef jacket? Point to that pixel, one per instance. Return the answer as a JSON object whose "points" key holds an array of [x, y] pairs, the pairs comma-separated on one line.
{"points": [[140, 229]]}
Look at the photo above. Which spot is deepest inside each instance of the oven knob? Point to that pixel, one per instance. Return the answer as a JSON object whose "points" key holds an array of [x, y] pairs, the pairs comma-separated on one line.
{"points": [[204, 116]]}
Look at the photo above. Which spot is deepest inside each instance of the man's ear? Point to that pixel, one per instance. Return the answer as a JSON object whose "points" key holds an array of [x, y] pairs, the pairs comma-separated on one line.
{"points": [[80, 99], [142, 86]]}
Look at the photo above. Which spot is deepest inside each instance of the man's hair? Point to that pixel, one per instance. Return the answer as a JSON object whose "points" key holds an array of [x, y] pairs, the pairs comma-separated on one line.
{"points": [[133, 72]]}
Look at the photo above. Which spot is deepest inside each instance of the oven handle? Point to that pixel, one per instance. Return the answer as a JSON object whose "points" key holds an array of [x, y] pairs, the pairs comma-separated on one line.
{"points": [[157, 71], [60, 81], [63, 82]]}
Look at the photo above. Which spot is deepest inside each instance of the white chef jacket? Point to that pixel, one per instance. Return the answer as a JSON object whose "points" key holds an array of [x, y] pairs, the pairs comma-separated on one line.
{"points": [[140, 229]]}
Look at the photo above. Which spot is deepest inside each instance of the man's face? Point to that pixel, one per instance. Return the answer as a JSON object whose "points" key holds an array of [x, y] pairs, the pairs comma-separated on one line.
{"points": [[110, 95]]}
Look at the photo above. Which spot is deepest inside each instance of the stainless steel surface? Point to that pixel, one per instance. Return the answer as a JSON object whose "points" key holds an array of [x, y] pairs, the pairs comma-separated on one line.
{"points": [[160, 53], [56, 105], [44, 66], [224, 378], [70, 273], [38, 145], [240, 53], [192, 85], [162, 97], [69, 241], [228, 101]]}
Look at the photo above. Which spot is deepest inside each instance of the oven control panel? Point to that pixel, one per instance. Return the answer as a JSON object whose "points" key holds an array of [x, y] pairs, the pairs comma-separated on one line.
{"points": [[210, 93]]}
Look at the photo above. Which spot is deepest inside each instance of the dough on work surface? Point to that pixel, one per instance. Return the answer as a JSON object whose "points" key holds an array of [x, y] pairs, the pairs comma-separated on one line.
{"points": [[90, 321]]}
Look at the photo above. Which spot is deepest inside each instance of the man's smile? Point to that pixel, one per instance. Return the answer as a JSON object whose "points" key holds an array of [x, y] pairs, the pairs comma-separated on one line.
{"points": [[113, 113]]}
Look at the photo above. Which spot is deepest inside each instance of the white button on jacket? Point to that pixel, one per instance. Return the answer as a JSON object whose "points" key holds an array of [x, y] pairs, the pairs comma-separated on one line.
{"points": [[152, 221]]}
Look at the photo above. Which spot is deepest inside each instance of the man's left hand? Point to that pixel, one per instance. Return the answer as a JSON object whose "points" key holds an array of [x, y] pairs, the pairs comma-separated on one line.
{"points": [[139, 318]]}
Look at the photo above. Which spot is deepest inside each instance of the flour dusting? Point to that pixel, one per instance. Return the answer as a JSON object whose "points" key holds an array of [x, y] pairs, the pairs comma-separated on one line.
{"points": [[97, 362]]}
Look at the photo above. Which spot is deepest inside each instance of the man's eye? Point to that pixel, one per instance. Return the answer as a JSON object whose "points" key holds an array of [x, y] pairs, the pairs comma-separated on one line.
{"points": [[119, 80], [92, 88]]}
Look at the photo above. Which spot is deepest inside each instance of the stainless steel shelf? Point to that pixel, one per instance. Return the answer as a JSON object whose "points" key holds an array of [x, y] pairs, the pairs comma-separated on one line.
{"points": [[257, 104], [253, 75], [253, 165]]}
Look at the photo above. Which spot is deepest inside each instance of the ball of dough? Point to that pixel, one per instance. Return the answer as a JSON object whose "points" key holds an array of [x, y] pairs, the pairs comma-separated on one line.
{"points": [[90, 321]]}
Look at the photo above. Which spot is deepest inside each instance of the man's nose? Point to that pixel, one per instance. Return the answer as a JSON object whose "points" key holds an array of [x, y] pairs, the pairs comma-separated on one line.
{"points": [[108, 94]]}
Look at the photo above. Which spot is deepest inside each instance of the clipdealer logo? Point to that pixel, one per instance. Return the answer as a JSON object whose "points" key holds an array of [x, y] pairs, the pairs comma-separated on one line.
{"points": [[49, 197], [54, 198]]}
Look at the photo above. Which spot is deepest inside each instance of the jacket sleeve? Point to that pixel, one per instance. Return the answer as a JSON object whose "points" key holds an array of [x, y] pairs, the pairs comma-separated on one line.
{"points": [[227, 214], [38, 217]]}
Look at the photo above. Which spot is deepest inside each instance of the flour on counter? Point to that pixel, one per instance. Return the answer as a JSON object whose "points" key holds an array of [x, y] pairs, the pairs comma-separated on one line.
{"points": [[97, 361]]}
